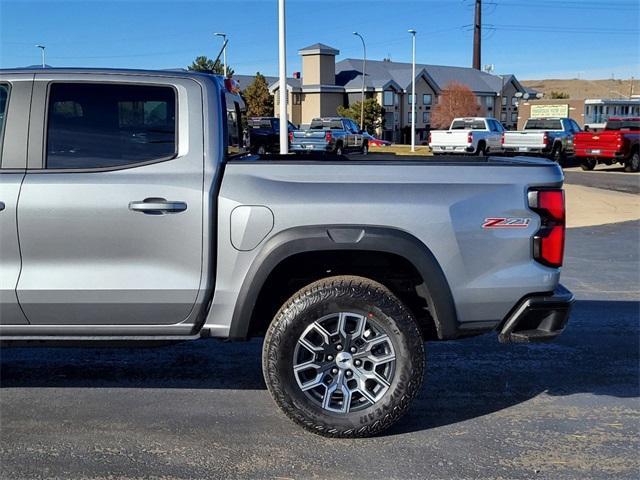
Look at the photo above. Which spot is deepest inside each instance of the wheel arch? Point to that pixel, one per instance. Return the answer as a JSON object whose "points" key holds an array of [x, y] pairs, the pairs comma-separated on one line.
{"points": [[346, 239]]}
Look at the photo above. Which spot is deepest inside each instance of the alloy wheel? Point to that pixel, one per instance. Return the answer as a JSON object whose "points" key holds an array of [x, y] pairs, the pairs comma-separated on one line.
{"points": [[344, 362]]}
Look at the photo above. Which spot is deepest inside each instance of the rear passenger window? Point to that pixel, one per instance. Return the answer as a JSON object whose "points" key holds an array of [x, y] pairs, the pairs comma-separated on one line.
{"points": [[4, 97], [105, 125]]}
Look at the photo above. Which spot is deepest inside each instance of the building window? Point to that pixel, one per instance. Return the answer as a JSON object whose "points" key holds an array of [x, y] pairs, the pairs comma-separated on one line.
{"points": [[409, 98], [426, 117], [488, 102], [426, 99], [409, 117], [503, 117], [388, 98], [514, 101], [297, 100], [514, 117], [504, 101]]}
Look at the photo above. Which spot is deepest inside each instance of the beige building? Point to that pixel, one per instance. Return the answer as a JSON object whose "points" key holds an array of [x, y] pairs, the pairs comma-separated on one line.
{"points": [[325, 85]]}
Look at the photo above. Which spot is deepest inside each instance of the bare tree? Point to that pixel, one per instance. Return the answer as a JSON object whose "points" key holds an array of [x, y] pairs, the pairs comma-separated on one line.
{"points": [[456, 100]]}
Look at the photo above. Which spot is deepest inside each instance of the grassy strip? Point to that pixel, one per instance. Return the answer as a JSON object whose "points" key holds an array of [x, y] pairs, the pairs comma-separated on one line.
{"points": [[421, 150]]}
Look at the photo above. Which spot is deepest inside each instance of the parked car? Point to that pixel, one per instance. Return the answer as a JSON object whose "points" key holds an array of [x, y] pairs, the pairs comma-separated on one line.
{"points": [[476, 135], [619, 142], [374, 141], [551, 137], [131, 212], [330, 134], [264, 134]]}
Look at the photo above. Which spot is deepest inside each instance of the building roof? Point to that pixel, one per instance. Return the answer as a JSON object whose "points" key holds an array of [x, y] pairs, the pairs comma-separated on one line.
{"points": [[379, 73], [246, 80], [318, 48]]}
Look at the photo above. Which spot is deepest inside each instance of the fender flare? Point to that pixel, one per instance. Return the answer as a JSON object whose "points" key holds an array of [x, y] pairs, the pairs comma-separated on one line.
{"points": [[347, 237]]}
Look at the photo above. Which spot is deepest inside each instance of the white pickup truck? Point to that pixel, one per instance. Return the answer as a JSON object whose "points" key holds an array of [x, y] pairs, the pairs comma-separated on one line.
{"points": [[476, 135]]}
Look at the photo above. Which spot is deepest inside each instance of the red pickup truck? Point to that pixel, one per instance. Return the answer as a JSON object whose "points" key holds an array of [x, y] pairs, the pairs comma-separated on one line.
{"points": [[618, 142]]}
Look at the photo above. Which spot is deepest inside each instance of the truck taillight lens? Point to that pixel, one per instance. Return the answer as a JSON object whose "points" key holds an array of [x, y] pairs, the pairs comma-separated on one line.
{"points": [[327, 136], [469, 137], [502, 139], [548, 242], [290, 136], [545, 138]]}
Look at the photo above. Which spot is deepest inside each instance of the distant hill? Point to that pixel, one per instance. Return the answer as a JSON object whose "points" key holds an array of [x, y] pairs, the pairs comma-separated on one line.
{"points": [[579, 89]]}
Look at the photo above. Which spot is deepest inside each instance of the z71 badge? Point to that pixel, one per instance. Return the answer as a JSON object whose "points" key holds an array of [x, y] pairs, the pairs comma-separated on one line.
{"points": [[506, 222]]}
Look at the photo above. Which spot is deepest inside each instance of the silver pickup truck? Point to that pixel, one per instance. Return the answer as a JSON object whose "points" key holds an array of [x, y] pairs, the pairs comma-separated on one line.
{"points": [[333, 135], [130, 212], [552, 137]]}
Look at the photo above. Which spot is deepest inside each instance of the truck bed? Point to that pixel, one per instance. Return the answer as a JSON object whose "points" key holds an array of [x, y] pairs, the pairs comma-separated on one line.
{"points": [[392, 159]]}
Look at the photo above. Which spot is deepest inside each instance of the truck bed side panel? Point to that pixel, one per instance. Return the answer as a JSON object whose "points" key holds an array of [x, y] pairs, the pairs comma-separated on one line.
{"points": [[444, 206]]}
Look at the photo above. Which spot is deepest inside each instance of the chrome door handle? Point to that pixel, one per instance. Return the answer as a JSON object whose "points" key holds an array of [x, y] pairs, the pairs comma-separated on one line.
{"points": [[157, 206]]}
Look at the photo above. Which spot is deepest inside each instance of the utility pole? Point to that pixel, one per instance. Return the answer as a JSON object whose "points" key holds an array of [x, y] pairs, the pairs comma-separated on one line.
{"points": [[413, 92], [42, 47], [284, 124], [224, 51], [631, 88], [364, 73], [477, 36]]}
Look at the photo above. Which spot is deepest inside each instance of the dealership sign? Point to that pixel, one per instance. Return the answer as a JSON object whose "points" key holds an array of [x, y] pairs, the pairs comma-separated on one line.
{"points": [[542, 111]]}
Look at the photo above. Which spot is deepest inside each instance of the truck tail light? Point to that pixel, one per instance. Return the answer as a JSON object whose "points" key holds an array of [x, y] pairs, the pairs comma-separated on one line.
{"points": [[545, 138], [502, 139], [327, 136], [548, 242], [469, 137], [290, 137], [429, 141]]}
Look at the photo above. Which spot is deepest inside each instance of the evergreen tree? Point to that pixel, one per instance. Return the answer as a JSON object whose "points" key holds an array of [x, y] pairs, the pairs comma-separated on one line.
{"points": [[205, 64], [258, 99], [373, 114]]}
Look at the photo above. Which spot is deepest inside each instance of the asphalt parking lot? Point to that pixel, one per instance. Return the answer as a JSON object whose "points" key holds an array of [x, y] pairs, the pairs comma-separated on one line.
{"points": [[567, 409]]}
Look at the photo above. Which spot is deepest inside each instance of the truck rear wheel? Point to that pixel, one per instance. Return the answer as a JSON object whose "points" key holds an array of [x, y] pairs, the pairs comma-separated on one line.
{"points": [[588, 163], [343, 357], [633, 164], [557, 154]]}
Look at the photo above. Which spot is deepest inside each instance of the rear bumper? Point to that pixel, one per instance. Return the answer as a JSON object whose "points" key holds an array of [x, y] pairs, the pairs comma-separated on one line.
{"points": [[452, 149], [601, 153], [538, 318], [311, 147], [526, 149]]}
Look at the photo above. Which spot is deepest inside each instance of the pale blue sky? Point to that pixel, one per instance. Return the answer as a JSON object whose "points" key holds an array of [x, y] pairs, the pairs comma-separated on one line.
{"points": [[531, 38]]}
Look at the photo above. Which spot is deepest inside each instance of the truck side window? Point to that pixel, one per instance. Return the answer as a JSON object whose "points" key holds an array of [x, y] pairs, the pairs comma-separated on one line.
{"points": [[92, 125], [4, 97]]}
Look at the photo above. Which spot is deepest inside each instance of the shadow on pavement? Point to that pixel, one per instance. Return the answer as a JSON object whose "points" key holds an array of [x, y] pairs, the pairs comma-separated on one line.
{"points": [[598, 354]]}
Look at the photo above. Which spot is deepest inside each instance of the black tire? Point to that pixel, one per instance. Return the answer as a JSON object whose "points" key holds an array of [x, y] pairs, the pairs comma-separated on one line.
{"points": [[321, 299], [633, 164], [557, 154], [365, 148], [588, 163], [482, 150], [339, 152], [261, 150]]}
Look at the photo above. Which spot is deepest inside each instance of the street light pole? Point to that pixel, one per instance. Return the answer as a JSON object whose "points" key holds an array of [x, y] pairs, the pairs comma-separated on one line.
{"points": [[413, 92], [224, 51], [284, 124], [42, 47], [364, 74]]}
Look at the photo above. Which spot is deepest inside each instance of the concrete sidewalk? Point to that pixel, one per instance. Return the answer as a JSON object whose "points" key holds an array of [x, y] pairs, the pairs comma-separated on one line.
{"points": [[587, 206]]}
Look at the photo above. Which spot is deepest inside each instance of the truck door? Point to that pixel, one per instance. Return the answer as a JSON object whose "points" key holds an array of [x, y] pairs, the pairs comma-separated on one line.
{"points": [[110, 215], [15, 100]]}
